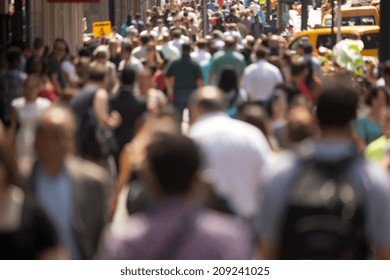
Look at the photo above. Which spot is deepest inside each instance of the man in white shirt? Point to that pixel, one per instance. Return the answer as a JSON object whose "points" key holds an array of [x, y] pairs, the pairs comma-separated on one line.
{"points": [[260, 78], [254, 7], [128, 59], [169, 51], [235, 152], [201, 55], [178, 39], [160, 29], [149, 31]]}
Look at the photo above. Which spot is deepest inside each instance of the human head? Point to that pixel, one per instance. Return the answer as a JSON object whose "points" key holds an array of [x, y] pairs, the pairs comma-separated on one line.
{"points": [[186, 48], [38, 46], [32, 86], [336, 104], [101, 54], [35, 65], [298, 70], [230, 43], [145, 40], [113, 46], [54, 138], [256, 116], [300, 124], [386, 72], [60, 48], [172, 161], [126, 49], [228, 80], [385, 122], [307, 48], [277, 104], [128, 76], [261, 53], [202, 44], [206, 100], [14, 55], [97, 74], [377, 98]]}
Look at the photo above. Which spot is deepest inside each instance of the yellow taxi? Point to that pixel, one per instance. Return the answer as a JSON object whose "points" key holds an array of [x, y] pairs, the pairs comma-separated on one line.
{"points": [[367, 15], [321, 37]]}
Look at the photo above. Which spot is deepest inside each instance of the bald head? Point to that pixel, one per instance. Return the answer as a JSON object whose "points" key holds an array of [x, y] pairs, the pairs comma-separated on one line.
{"points": [[55, 138], [57, 117], [206, 100]]}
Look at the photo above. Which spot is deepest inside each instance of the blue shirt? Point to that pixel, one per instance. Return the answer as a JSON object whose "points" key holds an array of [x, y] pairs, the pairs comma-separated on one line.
{"points": [[367, 130], [55, 196]]}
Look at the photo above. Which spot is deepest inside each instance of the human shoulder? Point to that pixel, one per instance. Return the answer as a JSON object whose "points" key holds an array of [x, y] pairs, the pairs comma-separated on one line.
{"points": [[218, 224], [86, 170], [218, 55], [231, 237], [19, 102], [239, 56], [43, 102]]}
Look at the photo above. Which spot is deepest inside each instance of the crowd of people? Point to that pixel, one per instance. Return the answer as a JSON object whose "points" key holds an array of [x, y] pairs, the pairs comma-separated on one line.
{"points": [[163, 144]]}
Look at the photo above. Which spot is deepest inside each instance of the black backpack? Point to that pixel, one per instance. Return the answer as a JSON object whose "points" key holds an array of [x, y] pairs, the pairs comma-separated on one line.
{"points": [[324, 219], [97, 142]]}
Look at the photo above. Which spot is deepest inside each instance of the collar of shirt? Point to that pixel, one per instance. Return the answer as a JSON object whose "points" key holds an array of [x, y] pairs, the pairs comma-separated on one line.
{"points": [[127, 88], [331, 149], [208, 116]]}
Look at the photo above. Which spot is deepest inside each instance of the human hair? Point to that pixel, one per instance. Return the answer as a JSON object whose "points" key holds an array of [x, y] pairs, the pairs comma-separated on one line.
{"points": [[208, 99], [176, 33], [300, 123], [336, 104], [186, 48], [174, 160], [202, 43], [13, 55], [60, 40], [128, 76], [373, 93], [307, 48], [297, 67], [67, 119], [127, 45], [255, 115], [230, 43], [97, 73], [228, 79], [386, 67], [32, 65], [145, 39], [38, 43], [261, 52]]}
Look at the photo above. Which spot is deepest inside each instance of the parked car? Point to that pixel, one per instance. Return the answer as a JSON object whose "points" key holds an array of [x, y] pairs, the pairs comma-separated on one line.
{"points": [[322, 36]]}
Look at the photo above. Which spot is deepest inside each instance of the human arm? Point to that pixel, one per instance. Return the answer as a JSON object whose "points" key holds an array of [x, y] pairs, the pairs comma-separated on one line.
{"points": [[100, 108], [124, 174], [13, 127], [56, 84]]}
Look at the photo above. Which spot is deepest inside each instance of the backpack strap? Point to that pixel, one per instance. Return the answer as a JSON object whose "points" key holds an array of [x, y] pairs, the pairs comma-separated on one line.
{"points": [[234, 99]]}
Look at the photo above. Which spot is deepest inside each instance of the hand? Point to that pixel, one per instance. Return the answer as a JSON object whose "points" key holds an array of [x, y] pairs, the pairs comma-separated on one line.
{"points": [[116, 119]]}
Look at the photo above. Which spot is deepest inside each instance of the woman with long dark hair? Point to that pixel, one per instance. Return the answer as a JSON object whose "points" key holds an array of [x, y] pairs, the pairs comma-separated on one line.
{"points": [[235, 96]]}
